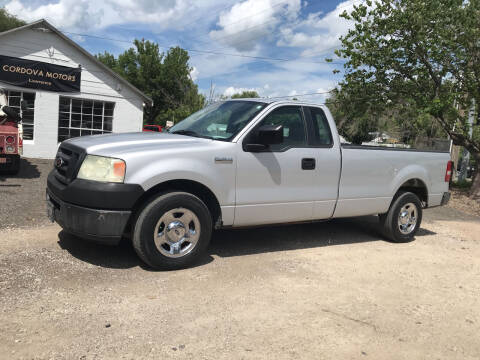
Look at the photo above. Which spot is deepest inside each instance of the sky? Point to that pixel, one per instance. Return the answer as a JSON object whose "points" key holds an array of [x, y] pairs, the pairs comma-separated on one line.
{"points": [[276, 47]]}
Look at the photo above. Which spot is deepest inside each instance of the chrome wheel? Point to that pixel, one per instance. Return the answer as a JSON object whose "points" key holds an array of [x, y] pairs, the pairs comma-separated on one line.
{"points": [[407, 218], [177, 232]]}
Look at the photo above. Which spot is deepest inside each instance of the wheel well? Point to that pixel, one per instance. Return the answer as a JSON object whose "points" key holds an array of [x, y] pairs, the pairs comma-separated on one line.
{"points": [[189, 186], [417, 187]]}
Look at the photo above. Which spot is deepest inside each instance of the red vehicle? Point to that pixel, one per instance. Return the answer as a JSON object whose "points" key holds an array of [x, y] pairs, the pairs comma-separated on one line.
{"points": [[154, 128], [11, 140]]}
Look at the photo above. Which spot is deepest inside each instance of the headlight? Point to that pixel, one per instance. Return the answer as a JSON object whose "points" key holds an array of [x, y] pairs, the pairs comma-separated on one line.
{"points": [[99, 168]]}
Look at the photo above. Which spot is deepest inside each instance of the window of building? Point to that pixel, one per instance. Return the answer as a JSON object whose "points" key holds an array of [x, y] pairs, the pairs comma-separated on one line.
{"points": [[80, 117], [14, 99]]}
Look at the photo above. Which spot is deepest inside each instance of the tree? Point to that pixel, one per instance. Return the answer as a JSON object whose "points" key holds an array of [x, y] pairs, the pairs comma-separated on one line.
{"points": [[425, 51], [163, 77], [355, 121], [8, 21], [246, 94], [402, 120]]}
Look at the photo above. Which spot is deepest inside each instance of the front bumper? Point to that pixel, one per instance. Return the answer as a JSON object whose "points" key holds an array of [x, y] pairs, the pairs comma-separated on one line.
{"points": [[9, 161], [105, 226]]}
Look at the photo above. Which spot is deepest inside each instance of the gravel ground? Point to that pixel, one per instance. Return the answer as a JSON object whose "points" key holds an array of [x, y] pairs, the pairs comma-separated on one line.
{"points": [[23, 195], [462, 202], [333, 290]]}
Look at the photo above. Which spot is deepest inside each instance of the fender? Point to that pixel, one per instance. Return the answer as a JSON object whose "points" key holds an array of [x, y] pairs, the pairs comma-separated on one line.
{"points": [[410, 172], [191, 169]]}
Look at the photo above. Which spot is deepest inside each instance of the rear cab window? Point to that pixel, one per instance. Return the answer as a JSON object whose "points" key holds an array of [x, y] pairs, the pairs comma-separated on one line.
{"points": [[322, 135]]}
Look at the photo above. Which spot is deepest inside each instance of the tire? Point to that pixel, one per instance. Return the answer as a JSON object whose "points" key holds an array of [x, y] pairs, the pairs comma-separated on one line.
{"points": [[172, 231], [398, 228]]}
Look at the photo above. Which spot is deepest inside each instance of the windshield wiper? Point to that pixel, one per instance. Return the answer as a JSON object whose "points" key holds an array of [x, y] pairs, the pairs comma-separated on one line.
{"points": [[192, 133]]}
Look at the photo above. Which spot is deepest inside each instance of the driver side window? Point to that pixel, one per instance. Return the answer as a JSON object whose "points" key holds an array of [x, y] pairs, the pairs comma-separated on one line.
{"points": [[294, 134]]}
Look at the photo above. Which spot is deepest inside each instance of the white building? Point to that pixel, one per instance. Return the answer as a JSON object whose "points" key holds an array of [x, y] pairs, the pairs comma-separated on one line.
{"points": [[92, 98]]}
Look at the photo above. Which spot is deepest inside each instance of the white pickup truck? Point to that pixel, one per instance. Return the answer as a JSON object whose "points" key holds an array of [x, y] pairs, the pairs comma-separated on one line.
{"points": [[233, 164]]}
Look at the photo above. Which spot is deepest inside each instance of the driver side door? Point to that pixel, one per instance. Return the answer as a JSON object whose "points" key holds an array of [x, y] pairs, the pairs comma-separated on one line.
{"points": [[276, 185]]}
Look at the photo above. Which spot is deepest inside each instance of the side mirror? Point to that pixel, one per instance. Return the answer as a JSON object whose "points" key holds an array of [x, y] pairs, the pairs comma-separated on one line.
{"points": [[24, 105], [270, 134], [266, 135]]}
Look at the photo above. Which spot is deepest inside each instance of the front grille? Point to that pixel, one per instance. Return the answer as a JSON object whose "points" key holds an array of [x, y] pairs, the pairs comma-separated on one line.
{"points": [[67, 162]]}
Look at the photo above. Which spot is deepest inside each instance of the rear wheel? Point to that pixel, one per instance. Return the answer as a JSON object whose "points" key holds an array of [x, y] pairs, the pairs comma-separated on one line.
{"points": [[403, 219], [172, 231]]}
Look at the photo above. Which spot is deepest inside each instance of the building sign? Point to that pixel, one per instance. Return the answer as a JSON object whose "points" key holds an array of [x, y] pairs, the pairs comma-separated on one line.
{"points": [[39, 75]]}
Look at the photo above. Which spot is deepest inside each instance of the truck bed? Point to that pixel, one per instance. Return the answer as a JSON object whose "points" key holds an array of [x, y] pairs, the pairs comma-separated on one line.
{"points": [[371, 174]]}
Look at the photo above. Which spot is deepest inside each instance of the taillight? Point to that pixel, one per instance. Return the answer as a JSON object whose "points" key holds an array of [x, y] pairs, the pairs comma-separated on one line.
{"points": [[448, 172], [10, 139]]}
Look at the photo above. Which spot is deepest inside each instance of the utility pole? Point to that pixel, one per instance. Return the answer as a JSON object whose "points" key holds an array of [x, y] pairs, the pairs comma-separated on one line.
{"points": [[466, 155], [211, 95]]}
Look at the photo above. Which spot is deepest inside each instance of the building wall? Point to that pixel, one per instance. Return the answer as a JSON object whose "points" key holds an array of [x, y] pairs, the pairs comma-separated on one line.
{"points": [[96, 84]]}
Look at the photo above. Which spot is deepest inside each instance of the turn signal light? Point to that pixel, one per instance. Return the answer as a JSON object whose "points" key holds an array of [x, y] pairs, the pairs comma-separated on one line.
{"points": [[448, 172], [10, 139], [119, 168]]}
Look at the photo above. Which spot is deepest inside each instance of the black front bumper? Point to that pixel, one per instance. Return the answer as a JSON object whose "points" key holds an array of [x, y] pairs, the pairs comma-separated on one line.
{"points": [[105, 226], [92, 210], [11, 163]]}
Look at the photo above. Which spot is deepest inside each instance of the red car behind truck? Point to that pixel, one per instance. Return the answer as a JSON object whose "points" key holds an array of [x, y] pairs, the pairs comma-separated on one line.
{"points": [[11, 139], [154, 128]]}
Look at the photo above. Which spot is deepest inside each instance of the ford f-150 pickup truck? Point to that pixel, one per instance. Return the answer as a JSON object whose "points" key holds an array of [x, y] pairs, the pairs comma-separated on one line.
{"points": [[233, 164]]}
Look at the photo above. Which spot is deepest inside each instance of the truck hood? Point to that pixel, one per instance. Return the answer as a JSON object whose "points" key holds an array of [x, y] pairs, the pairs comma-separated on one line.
{"points": [[118, 144]]}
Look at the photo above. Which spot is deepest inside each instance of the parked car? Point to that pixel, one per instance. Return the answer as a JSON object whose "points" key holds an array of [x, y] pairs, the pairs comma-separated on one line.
{"points": [[11, 136], [233, 164], [154, 128]]}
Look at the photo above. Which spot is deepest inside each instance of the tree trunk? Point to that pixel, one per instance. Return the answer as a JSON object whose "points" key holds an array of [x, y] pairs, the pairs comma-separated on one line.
{"points": [[475, 189]]}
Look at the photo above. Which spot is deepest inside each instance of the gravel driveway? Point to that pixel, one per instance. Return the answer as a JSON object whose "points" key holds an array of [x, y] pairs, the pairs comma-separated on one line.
{"points": [[332, 290], [23, 195]]}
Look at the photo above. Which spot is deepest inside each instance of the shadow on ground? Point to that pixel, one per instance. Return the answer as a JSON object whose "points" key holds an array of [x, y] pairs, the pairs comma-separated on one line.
{"points": [[240, 242], [28, 170], [122, 256]]}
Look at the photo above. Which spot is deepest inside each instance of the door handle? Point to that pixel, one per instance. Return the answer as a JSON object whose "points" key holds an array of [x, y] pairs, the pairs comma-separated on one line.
{"points": [[308, 164]]}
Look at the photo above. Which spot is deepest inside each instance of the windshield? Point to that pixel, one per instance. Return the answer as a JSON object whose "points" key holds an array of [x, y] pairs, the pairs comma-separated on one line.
{"points": [[219, 121]]}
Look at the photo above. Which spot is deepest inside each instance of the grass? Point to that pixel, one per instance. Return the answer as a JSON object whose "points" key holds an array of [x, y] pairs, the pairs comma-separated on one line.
{"points": [[461, 185]]}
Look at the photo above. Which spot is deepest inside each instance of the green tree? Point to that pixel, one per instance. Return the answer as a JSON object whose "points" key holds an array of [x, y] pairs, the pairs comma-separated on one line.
{"points": [[354, 121], [246, 94], [425, 51], [8, 21], [165, 77], [402, 120]]}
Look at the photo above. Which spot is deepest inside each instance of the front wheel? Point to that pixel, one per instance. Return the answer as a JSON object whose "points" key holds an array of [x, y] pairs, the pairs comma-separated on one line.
{"points": [[403, 219], [172, 231]]}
